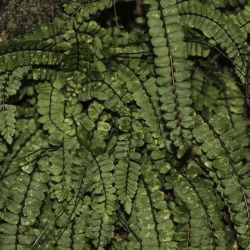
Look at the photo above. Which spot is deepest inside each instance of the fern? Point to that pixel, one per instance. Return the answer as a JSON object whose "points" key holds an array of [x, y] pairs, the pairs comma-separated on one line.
{"points": [[212, 23], [167, 40], [127, 134]]}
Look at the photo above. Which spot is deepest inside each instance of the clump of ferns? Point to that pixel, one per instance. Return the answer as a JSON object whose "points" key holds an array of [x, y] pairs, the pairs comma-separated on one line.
{"points": [[127, 137]]}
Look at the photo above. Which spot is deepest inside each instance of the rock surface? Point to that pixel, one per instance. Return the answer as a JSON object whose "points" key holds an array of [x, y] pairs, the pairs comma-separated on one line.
{"points": [[20, 16]]}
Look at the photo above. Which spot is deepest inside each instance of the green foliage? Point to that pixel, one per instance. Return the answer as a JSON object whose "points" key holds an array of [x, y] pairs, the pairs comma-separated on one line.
{"points": [[129, 135]]}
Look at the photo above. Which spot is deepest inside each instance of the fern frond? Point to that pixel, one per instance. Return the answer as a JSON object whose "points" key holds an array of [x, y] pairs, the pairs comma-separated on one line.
{"points": [[153, 215], [7, 122], [22, 206], [213, 24], [170, 55], [228, 163], [9, 85], [242, 19], [205, 215], [127, 170], [99, 231], [11, 60]]}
